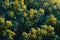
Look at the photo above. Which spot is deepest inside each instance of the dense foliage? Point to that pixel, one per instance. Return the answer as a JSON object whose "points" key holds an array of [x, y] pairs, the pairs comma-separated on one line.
{"points": [[29, 20]]}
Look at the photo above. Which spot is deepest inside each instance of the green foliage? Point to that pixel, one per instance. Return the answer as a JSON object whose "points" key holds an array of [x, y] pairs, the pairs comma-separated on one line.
{"points": [[39, 33], [29, 20]]}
